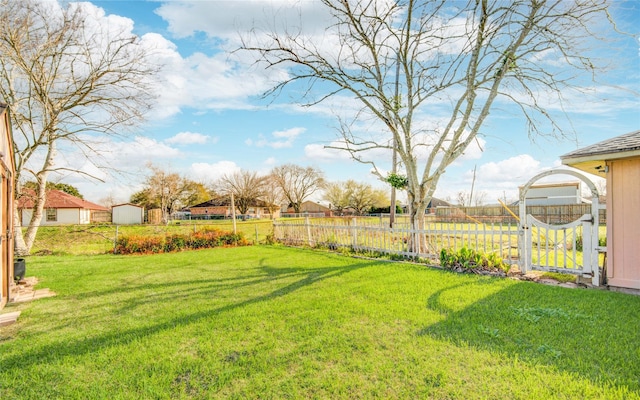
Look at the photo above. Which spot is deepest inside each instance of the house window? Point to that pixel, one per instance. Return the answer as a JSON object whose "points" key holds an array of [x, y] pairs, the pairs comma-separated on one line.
{"points": [[52, 214]]}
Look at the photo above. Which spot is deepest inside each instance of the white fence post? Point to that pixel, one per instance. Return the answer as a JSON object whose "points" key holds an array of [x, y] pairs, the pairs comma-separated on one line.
{"points": [[308, 225], [354, 223]]}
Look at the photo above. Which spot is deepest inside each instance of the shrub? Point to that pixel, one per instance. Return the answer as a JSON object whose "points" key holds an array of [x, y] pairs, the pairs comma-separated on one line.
{"points": [[204, 239], [602, 242], [469, 260]]}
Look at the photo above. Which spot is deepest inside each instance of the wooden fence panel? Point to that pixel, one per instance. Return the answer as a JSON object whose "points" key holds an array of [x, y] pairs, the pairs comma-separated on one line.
{"points": [[559, 214]]}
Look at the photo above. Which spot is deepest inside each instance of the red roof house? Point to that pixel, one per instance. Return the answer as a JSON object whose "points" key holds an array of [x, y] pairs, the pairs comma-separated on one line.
{"points": [[60, 208]]}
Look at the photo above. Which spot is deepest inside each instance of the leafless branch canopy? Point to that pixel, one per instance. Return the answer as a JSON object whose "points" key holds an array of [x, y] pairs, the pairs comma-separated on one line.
{"points": [[68, 79], [65, 77], [297, 183], [247, 187], [429, 72]]}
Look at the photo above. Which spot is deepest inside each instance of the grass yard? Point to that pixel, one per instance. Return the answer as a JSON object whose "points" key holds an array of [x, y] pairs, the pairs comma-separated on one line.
{"points": [[277, 322]]}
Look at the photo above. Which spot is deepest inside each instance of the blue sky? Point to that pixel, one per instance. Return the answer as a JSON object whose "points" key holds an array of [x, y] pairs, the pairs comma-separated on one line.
{"points": [[210, 119]]}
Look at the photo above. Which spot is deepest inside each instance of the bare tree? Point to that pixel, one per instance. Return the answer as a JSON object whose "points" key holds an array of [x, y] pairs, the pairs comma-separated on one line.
{"points": [[429, 72], [480, 198], [273, 195], [462, 198], [297, 183], [247, 188], [66, 78]]}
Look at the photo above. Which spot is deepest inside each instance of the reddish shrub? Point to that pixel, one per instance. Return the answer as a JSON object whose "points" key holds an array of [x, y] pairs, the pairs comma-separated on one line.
{"points": [[204, 239]]}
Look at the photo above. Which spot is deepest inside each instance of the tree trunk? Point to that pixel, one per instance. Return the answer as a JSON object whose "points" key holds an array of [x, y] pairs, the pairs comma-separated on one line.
{"points": [[417, 243], [38, 210], [20, 247]]}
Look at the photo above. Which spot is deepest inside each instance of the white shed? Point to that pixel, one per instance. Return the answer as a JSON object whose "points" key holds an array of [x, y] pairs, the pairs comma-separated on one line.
{"points": [[127, 214], [554, 194]]}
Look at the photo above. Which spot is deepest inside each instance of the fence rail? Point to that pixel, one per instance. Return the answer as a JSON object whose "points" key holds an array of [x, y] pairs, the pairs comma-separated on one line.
{"points": [[367, 235], [557, 214]]}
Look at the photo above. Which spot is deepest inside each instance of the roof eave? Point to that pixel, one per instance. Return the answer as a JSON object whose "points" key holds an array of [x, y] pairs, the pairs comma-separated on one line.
{"points": [[595, 163]]}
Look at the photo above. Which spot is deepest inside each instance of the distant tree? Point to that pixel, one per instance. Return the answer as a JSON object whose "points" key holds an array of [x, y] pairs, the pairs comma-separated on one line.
{"points": [[64, 187], [462, 199], [479, 198], [337, 195], [144, 198], [168, 190], [297, 183], [66, 78], [195, 193], [247, 188], [108, 201], [273, 195], [362, 197]]}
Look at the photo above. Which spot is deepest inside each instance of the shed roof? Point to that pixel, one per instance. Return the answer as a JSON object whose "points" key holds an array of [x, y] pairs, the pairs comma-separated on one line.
{"points": [[592, 158], [438, 203], [127, 204], [57, 199]]}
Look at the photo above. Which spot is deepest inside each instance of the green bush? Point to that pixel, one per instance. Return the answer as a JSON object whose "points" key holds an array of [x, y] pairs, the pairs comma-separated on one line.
{"points": [[204, 239], [466, 259], [602, 242]]}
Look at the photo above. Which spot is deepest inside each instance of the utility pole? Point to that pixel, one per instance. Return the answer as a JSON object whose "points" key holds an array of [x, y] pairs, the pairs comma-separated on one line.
{"points": [[233, 213]]}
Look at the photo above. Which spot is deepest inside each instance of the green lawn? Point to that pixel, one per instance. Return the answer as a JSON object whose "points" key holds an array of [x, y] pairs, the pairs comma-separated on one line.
{"points": [[276, 322]]}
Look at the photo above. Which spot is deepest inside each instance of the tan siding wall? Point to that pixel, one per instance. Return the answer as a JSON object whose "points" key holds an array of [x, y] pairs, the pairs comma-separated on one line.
{"points": [[623, 228], [65, 216], [7, 170]]}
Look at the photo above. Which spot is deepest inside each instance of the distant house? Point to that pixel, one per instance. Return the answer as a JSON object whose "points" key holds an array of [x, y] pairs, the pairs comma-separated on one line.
{"points": [[60, 208], [618, 161], [220, 207], [435, 203], [127, 214], [7, 173], [311, 207]]}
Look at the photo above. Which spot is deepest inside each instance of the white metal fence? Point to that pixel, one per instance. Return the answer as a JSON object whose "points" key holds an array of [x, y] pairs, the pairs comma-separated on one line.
{"points": [[369, 234]]}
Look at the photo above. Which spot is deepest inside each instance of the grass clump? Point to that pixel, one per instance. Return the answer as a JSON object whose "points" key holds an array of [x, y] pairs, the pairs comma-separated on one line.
{"points": [[470, 260], [558, 276]]}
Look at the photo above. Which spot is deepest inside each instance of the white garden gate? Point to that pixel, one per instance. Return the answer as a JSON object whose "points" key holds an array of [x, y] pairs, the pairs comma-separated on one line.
{"points": [[568, 248]]}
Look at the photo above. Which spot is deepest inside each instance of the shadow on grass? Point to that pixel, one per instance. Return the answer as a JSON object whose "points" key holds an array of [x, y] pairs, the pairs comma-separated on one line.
{"points": [[590, 333], [192, 290]]}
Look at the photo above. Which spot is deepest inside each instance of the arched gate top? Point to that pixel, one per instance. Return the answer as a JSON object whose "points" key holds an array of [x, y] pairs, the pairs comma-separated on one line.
{"points": [[582, 177]]}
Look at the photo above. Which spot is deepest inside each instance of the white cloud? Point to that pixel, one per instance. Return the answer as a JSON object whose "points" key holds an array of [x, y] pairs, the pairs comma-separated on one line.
{"points": [[318, 152], [288, 135], [185, 138], [503, 173], [209, 173], [224, 19]]}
